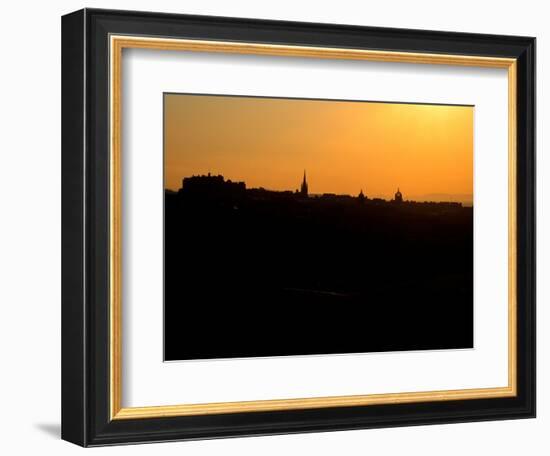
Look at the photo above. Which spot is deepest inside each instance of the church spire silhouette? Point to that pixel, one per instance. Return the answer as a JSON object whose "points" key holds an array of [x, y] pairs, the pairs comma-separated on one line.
{"points": [[304, 187]]}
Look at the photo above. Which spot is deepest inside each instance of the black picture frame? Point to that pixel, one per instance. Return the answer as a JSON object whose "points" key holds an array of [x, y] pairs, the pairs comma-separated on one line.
{"points": [[86, 416]]}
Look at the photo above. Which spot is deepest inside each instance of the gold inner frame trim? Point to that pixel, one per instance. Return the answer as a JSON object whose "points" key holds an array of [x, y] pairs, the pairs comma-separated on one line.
{"points": [[117, 44]]}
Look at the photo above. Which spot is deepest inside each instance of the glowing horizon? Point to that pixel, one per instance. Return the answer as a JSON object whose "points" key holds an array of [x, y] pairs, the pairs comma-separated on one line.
{"points": [[344, 146]]}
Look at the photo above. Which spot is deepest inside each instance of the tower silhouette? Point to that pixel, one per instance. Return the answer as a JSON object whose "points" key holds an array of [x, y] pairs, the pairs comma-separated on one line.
{"points": [[304, 187], [398, 196]]}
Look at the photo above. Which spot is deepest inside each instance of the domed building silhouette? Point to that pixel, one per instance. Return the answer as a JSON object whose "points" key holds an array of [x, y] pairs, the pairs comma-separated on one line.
{"points": [[398, 198]]}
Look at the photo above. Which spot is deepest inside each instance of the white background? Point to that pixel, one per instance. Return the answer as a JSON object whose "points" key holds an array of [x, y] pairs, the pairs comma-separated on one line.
{"points": [[30, 230], [148, 73]]}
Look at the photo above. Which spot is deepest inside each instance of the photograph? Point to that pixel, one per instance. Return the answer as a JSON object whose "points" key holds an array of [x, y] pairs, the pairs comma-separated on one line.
{"points": [[297, 226], [287, 223]]}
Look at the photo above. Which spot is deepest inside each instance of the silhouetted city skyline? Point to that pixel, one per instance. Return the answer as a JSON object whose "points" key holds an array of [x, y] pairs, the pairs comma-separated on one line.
{"points": [[217, 184], [345, 146], [314, 216]]}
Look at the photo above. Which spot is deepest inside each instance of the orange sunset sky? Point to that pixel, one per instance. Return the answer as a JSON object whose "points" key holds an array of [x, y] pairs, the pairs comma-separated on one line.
{"points": [[345, 146]]}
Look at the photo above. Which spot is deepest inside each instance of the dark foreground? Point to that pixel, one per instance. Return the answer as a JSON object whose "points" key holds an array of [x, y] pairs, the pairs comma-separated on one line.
{"points": [[264, 274]]}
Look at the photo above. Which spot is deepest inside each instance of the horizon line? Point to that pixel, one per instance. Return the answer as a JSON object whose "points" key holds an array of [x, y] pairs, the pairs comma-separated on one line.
{"points": [[468, 201]]}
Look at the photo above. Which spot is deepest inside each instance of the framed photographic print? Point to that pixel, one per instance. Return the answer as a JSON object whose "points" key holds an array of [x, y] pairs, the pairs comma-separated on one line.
{"points": [[278, 227]]}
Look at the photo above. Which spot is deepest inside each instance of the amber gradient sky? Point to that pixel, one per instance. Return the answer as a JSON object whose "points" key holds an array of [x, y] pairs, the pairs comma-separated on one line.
{"points": [[425, 150]]}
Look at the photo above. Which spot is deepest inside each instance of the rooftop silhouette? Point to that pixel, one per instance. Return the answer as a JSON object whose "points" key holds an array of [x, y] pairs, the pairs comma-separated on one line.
{"points": [[209, 186]]}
